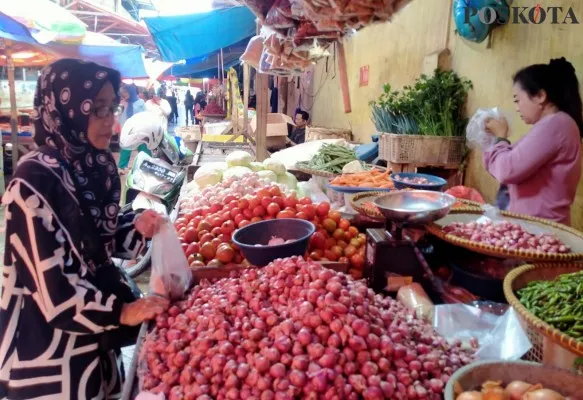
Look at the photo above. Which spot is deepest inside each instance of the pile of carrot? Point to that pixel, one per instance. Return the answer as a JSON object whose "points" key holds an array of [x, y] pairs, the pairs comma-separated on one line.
{"points": [[374, 178]]}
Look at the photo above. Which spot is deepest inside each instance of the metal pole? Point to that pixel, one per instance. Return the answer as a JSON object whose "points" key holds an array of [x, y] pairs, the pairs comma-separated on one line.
{"points": [[13, 111]]}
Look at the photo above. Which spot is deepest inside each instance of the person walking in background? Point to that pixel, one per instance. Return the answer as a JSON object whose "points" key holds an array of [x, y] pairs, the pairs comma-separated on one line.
{"points": [[132, 104], [188, 107], [173, 100], [158, 105], [199, 106]]}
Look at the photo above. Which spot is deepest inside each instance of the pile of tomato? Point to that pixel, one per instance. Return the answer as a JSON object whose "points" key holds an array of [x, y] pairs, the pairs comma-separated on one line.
{"points": [[206, 232]]}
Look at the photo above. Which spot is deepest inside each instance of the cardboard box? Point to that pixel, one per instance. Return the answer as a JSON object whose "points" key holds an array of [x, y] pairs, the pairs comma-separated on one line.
{"points": [[276, 129]]}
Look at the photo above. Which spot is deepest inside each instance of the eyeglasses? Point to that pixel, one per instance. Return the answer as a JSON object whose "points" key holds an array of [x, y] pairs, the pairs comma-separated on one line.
{"points": [[106, 111]]}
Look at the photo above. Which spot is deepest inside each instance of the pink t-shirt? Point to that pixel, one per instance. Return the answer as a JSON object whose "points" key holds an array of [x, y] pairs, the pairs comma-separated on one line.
{"points": [[542, 169]]}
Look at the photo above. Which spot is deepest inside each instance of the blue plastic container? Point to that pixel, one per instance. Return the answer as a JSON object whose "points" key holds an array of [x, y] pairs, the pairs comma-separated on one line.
{"points": [[435, 182], [297, 230]]}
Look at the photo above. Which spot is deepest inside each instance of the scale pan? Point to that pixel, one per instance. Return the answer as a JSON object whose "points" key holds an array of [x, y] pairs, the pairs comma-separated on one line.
{"points": [[416, 207]]}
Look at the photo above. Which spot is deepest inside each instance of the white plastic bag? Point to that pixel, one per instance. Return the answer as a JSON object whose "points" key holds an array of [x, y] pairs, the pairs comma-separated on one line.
{"points": [[499, 337], [171, 275], [476, 134]]}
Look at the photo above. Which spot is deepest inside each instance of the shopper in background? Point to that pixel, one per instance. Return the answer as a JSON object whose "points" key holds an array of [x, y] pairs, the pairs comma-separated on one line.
{"points": [[188, 107], [298, 134], [132, 104], [64, 303], [158, 105], [543, 168], [173, 101], [199, 106]]}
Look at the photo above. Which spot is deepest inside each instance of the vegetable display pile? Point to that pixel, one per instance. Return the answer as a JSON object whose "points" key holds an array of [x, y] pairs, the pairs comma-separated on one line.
{"points": [[295, 329], [416, 180], [330, 158], [507, 235], [558, 302], [374, 178], [209, 219], [515, 390]]}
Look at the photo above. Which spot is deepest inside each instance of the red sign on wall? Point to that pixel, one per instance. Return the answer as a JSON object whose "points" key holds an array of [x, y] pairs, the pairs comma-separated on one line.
{"points": [[364, 76]]}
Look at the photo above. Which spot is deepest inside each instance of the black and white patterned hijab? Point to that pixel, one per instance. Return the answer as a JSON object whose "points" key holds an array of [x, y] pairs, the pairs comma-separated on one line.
{"points": [[62, 105]]}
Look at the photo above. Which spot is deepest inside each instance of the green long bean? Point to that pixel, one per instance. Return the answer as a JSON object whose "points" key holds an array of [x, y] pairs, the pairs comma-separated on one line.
{"points": [[330, 158], [558, 302]]}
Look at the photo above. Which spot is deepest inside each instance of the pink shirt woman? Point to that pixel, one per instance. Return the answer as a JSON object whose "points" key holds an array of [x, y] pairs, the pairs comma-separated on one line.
{"points": [[542, 170]]}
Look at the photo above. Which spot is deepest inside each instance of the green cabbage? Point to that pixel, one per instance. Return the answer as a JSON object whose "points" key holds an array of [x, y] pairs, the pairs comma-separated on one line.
{"points": [[269, 175], [275, 166], [239, 158], [256, 166], [236, 172], [209, 174], [289, 180]]}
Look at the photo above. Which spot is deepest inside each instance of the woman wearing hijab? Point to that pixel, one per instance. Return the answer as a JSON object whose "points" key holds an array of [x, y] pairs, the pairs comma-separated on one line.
{"points": [[132, 105], [63, 302]]}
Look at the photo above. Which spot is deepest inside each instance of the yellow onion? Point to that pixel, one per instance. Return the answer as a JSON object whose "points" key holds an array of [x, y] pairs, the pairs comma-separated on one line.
{"points": [[543, 394], [494, 393], [516, 389], [470, 396]]}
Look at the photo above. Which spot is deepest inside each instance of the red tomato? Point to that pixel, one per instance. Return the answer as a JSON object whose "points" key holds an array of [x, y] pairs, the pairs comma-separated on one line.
{"points": [[305, 200], [229, 198], [344, 224], [216, 222], [239, 218], [273, 208], [216, 208], [290, 201], [190, 235], [314, 256], [205, 211], [268, 217], [323, 232], [235, 211], [243, 223], [302, 215], [225, 237], [342, 244], [195, 221], [243, 204], [274, 190], [353, 230], [253, 202], [202, 233], [318, 241], [323, 209], [330, 255], [228, 227], [259, 211], [192, 248], [335, 215], [280, 202], [266, 201], [263, 192], [256, 219], [208, 251], [344, 260], [310, 211], [184, 246], [337, 250], [330, 242], [181, 221], [355, 243], [329, 225], [216, 242], [207, 237], [226, 215], [357, 261], [355, 273], [338, 234], [204, 226], [225, 254], [286, 214], [349, 251], [216, 231], [248, 212]]}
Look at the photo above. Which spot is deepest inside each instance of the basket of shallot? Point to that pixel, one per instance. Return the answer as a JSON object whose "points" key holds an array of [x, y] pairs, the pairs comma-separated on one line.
{"points": [[547, 299], [512, 380], [509, 235]]}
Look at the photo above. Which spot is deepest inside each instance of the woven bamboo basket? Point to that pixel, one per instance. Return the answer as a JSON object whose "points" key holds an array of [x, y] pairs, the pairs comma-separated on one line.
{"points": [[421, 149], [549, 345], [571, 237]]}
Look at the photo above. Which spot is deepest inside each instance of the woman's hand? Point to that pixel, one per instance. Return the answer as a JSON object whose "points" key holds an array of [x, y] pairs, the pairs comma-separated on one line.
{"points": [[149, 223], [497, 127], [146, 308]]}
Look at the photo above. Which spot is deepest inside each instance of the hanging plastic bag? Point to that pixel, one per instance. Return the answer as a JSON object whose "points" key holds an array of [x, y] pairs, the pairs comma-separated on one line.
{"points": [[252, 54], [476, 134], [171, 275], [499, 337]]}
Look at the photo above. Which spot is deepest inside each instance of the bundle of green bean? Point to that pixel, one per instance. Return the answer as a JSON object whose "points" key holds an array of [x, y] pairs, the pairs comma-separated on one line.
{"points": [[330, 158], [558, 302]]}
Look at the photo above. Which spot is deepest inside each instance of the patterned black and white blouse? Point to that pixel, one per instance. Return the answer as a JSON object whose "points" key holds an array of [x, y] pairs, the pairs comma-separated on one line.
{"points": [[51, 312]]}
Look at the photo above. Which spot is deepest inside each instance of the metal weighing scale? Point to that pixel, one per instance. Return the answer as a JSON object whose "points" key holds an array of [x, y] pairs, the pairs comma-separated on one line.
{"points": [[392, 250]]}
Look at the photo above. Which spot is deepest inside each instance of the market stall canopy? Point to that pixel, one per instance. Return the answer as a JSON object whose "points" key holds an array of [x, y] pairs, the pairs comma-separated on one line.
{"points": [[46, 21], [184, 37], [127, 59], [231, 57]]}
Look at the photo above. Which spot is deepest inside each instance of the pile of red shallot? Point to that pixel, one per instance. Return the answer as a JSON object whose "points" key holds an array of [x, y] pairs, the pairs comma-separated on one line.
{"points": [[507, 235], [295, 329]]}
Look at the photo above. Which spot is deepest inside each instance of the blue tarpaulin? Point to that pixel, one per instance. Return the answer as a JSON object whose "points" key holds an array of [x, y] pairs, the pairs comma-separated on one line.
{"points": [[127, 59], [183, 37]]}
